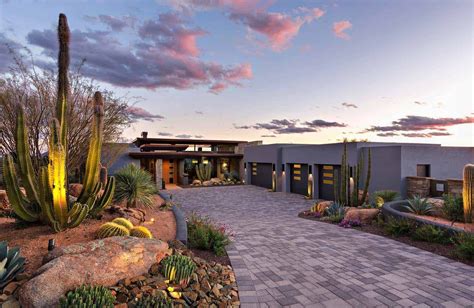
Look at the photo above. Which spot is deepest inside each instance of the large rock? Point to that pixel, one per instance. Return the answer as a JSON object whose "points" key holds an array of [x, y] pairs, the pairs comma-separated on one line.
{"points": [[100, 262], [135, 215], [75, 189], [365, 216], [322, 206]]}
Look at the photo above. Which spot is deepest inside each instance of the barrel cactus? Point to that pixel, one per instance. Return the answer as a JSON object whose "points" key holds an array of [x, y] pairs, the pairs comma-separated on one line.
{"points": [[46, 193], [178, 269], [159, 301], [112, 229], [140, 231], [88, 296], [11, 264], [468, 191], [123, 222]]}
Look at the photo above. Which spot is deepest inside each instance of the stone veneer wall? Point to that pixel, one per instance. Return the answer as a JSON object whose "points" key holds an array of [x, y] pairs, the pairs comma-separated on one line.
{"points": [[418, 186], [454, 187]]}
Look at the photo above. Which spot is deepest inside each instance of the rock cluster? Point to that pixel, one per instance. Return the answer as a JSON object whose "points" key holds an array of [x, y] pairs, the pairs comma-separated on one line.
{"points": [[214, 182], [135, 215], [211, 285], [365, 216]]}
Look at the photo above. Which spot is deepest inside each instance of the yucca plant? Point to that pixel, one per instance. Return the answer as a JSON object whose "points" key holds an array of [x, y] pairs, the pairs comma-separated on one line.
{"points": [[46, 196], [88, 297], [135, 186], [419, 206], [11, 264], [387, 195], [178, 268]]}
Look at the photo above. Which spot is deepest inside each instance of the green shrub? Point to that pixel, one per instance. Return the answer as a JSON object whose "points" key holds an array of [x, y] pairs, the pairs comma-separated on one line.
{"points": [[153, 302], [453, 208], [430, 233], [88, 296], [11, 264], [398, 227], [420, 206], [203, 234], [464, 246], [135, 186]]}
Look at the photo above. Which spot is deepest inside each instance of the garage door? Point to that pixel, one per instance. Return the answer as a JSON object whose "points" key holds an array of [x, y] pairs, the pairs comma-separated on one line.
{"points": [[261, 175], [326, 181], [299, 179]]}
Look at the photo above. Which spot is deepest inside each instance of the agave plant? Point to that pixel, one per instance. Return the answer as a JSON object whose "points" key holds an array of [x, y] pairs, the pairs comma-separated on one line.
{"points": [[335, 209], [46, 197], [11, 264], [135, 186], [420, 206]]}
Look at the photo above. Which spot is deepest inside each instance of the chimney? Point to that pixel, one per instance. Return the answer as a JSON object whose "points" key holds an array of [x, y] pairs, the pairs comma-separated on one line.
{"points": [[144, 135]]}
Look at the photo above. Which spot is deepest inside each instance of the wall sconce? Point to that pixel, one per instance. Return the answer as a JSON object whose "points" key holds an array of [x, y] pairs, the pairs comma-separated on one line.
{"points": [[310, 170], [282, 167]]}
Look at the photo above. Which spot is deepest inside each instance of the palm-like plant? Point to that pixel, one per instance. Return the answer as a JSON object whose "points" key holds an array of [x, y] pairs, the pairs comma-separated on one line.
{"points": [[135, 186], [420, 206]]}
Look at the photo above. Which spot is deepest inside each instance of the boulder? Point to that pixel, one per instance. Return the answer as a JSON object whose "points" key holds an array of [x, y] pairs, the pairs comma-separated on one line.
{"points": [[75, 189], [99, 262], [438, 206], [196, 183], [322, 206], [135, 215], [207, 183], [216, 181], [365, 216]]}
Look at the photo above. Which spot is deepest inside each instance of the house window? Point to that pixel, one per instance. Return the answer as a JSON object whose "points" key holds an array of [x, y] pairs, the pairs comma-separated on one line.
{"points": [[423, 170]]}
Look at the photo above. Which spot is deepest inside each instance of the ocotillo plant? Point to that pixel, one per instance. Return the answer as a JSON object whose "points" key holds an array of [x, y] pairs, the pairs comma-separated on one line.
{"points": [[46, 197], [203, 172], [468, 191]]}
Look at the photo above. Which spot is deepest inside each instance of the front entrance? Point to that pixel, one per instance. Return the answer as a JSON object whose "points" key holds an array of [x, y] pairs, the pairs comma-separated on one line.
{"points": [[299, 179], [170, 171], [326, 181]]}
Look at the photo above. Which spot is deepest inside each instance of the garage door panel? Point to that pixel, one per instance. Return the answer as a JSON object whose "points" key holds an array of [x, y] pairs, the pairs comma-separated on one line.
{"points": [[326, 181], [261, 174], [299, 179]]}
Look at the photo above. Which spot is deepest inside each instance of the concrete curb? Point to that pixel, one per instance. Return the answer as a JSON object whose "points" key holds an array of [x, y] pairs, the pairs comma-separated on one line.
{"points": [[392, 209], [181, 225]]}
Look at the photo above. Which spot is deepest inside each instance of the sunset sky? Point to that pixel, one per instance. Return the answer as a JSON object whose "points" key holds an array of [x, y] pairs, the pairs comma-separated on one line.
{"points": [[299, 71]]}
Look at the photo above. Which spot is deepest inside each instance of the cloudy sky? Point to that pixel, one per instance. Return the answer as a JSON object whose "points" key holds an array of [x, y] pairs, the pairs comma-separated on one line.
{"points": [[301, 71]]}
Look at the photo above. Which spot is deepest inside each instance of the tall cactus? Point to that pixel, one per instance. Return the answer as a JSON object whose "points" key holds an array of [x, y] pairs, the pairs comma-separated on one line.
{"points": [[91, 177], [367, 177], [46, 194], [344, 178], [204, 171], [468, 191]]}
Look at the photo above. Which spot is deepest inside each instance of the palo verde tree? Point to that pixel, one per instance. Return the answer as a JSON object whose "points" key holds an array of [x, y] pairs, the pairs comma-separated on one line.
{"points": [[46, 196]]}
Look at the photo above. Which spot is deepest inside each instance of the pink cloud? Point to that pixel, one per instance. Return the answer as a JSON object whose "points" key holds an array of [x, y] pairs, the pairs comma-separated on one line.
{"points": [[339, 27], [217, 88], [311, 13]]}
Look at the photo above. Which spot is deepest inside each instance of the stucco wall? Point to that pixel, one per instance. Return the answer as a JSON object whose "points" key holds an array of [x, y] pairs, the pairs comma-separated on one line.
{"points": [[445, 162], [124, 159]]}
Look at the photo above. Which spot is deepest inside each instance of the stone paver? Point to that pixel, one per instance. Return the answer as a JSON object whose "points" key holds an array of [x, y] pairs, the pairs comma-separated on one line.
{"points": [[282, 260]]}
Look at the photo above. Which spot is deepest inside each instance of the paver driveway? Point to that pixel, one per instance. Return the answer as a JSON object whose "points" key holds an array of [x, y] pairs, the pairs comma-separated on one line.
{"points": [[282, 260]]}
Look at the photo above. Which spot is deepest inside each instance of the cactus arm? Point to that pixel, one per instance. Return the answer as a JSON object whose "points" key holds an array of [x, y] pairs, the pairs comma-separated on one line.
{"points": [[27, 172], [91, 176], [106, 198], [468, 191], [45, 197], [57, 174], [63, 83], [367, 177], [19, 205], [77, 214]]}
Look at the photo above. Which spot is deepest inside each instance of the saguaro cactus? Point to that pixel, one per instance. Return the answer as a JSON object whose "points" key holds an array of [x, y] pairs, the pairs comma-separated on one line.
{"points": [[468, 191], [47, 196]]}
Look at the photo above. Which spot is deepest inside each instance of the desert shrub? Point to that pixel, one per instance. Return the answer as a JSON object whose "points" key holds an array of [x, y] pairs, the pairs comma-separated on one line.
{"points": [[453, 208], [88, 296], [386, 195], [464, 245], [204, 234], [430, 233], [398, 227], [420, 206], [135, 186], [348, 223]]}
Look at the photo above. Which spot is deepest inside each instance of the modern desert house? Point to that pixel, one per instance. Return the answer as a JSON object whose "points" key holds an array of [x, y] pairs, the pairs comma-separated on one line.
{"points": [[173, 161], [310, 169]]}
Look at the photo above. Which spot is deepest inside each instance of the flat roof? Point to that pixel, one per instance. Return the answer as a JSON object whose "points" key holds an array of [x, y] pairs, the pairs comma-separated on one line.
{"points": [[186, 154], [140, 141]]}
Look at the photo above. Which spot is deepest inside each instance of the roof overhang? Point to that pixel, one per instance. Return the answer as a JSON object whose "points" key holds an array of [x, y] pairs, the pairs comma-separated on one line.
{"points": [[140, 141], [183, 155]]}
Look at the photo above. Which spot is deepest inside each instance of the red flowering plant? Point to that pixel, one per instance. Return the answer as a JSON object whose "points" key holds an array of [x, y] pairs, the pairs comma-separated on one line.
{"points": [[204, 234]]}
